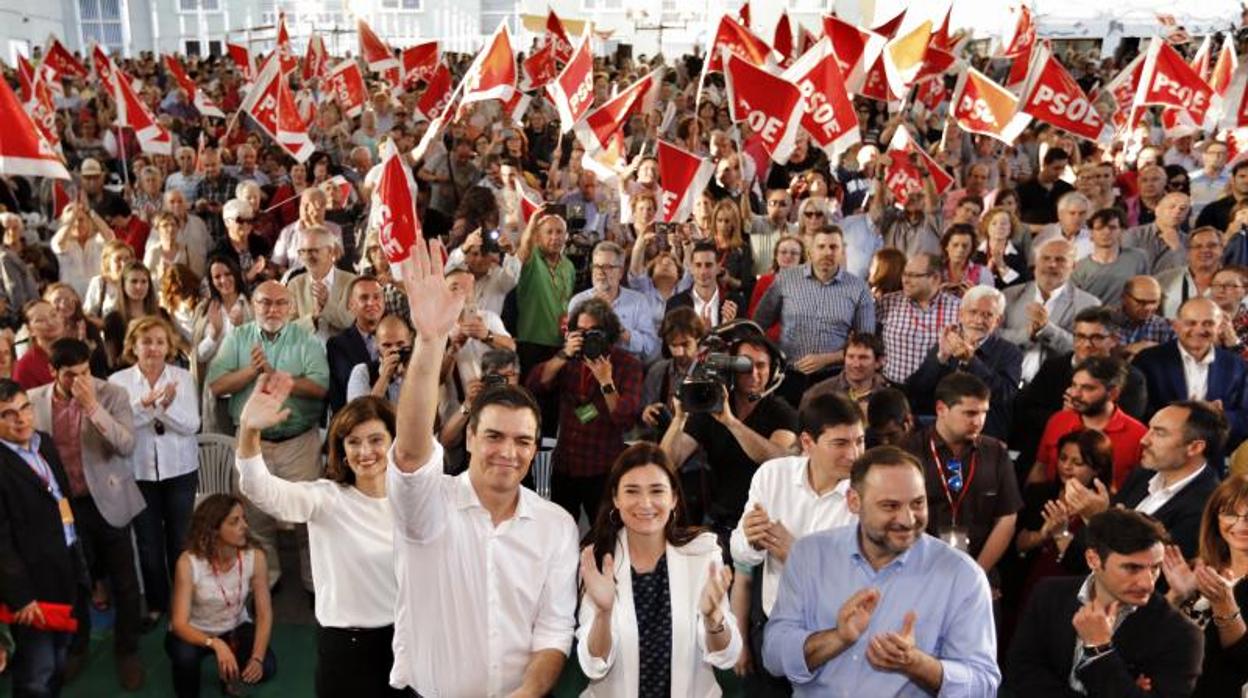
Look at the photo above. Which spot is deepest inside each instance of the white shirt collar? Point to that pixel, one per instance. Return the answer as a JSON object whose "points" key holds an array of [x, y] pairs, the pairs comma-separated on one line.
{"points": [[1156, 486], [1057, 293], [1187, 357], [801, 479]]}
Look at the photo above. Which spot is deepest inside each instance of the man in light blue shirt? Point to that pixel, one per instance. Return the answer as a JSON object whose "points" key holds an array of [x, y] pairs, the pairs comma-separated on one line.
{"points": [[881, 609], [640, 336]]}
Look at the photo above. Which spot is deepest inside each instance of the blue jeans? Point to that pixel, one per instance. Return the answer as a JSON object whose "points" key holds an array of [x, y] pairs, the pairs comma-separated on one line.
{"points": [[38, 665], [160, 532]]}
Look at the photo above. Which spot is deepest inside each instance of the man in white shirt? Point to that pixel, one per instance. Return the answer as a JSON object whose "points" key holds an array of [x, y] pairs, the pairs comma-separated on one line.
{"points": [[494, 279], [186, 179], [790, 497], [1208, 184], [312, 203], [486, 568], [1073, 210]]}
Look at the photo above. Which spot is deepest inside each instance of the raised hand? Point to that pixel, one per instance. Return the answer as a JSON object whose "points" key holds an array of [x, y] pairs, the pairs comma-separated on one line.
{"points": [[599, 585], [264, 408], [755, 526], [718, 581], [1095, 625], [855, 614], [1179, 574], [1216, 588], [894, 651], [434, 306]]}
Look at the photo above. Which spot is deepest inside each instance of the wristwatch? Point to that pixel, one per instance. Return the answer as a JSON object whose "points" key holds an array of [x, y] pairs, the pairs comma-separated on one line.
{"points": [[608, 389], [1094, 651], [489, 337]]}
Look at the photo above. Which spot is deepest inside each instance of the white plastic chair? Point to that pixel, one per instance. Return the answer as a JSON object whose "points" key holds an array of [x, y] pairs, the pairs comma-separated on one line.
{"points": [[216, 465]]}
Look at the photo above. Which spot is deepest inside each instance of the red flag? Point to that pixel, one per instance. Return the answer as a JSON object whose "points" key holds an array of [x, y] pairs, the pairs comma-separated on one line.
{"points": [[770, 104], [1051, 95], [805, 39], [437, 95], [931, 93], [287, 55], [875, 85], [42, 111], [573, 90], [745, 14], [557, 37], [202, 102], [242, 58], [539, 68], [1019, 37], [1225, 67], [345, 83], [57, 57], [375, 51], [1123, 86], [682, 176], [25, 78], [738, 40], [492, 74], [23, 149], [941, 39], [132, 112], [1235, 108], [857, 50], [1018, 69], [516, 107], [60, 199], [982, 106], [905, 55], [784, 36], [394, 209], [1167, 80], [901, 176], [316, 62], [889, 29], [594, 131], [1202, 62], [528, 207], [936, 63], [271, 105], [102, 63], [828, 113], [419, 62]]}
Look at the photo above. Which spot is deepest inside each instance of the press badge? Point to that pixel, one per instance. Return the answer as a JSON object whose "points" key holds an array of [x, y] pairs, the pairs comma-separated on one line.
{"points": [[587, 413], [957, 537], [67, 514]]}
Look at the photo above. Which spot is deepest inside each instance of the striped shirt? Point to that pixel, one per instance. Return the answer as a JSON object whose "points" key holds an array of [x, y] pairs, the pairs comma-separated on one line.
{"points": [[909, 331], [816, 317]]}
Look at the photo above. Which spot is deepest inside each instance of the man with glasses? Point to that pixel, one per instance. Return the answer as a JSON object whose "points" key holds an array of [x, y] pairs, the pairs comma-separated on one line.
{"points": [[911, 319], [312, 204], [638, 333], [268, 344], [320, 292], [1204, 259], [972, 493], [767, 228], [241, 244], [1139, 325], [1106, 270]]}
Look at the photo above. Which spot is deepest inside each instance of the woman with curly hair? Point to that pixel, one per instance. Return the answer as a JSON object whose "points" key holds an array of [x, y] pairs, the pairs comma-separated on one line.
{"points": [[221, 568]]}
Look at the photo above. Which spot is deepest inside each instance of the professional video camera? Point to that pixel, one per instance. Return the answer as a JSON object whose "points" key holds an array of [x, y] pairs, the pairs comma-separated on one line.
{"points": [[715, 369]]}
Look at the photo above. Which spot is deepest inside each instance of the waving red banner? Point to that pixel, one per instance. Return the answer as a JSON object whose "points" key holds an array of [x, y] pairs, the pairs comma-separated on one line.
{"points": [[770, 104], [828, 113], [573, 90], [982, 106], [345, 83], [1051, 95], [682, 176], [419, 63], [394, 209]]}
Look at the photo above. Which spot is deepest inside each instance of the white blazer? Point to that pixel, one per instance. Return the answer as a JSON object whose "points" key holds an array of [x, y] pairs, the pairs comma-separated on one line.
{"points": [[692, 665]]}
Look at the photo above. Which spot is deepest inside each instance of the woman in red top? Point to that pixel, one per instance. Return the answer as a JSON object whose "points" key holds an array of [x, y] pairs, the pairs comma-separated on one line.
{"points": [[45, 327], [789, 252]]}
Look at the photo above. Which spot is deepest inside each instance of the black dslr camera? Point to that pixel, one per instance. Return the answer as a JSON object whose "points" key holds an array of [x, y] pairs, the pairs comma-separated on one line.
{"points": [[594, 344], [712, 372]]}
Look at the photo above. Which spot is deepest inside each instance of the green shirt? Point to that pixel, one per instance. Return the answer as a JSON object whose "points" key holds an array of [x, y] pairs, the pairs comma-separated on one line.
{"points": [[542, 297], [293, 351]]}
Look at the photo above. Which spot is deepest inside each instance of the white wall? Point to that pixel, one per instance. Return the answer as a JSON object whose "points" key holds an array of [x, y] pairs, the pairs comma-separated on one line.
{"points": [[28, 23]]}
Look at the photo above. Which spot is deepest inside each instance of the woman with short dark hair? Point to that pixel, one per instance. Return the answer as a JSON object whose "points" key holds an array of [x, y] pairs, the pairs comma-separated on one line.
{"points": [[350, 533]]}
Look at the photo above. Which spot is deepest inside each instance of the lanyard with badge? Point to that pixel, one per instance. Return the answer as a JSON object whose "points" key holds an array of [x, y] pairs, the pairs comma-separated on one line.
{"points": [[951, 481], [44, 472]]}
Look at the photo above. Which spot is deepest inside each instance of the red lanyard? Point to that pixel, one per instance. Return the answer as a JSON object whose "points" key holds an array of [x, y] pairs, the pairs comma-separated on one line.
{"points": [[238, 599], [954, 506]]}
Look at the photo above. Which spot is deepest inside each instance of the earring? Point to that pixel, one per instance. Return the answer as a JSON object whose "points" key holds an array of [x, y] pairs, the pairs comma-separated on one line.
{"points": [[614, 517]]}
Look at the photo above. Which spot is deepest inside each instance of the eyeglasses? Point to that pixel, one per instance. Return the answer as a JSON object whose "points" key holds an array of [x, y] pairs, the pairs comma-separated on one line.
{"points": [[1226, 287], [954, 479], [1230, 518], [813, 214], [266, 303], [13, 414], [605, 268], [1091, 338]]}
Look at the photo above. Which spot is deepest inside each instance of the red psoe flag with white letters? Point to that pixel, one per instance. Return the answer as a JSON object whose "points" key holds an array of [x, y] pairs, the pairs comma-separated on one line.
{"points": [[394, 210], [557, 37], [739, 41], [23, 150], [573, 90], [682, 176], [284, 52], [596, 129], [419, 63], [271, 105], [770, 104], [856, 50], [376, 52], [1020, 36], [132, 112], [539, 68], [59, 59], [902, 175], [1167, 80], [437, 95], [345, 83], [316, 62], [828, 114], [980, 105], [1051, 95], [492, 74]]}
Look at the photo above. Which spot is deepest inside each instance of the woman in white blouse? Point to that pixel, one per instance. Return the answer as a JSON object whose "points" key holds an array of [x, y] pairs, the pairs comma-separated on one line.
{"points": [[654, 618], [226, 307], [166, 456], [350, 533]]}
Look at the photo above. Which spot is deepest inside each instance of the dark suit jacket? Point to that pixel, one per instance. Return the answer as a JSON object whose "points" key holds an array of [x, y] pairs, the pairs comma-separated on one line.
{"points": [[344, 350], [35, 562], [684, 299], [1180, 515], [1163, 371], [1154, 641], [997, 362]]}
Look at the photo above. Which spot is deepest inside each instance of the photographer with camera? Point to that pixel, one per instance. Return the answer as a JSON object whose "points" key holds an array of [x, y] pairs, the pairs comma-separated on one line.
{"points": [[681, 332], [635, 313], [498, 367], [383, 378], [487, 254], [598, 385], [727, 408]]}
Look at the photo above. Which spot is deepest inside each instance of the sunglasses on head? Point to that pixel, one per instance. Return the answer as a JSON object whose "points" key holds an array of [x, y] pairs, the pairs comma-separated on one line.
{"points": [[954, 469]]}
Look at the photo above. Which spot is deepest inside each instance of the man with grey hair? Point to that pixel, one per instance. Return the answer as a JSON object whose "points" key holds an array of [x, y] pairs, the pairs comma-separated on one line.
{"points": [[312, 204], [192, 231], [185, 179], [973, 345], [638, 334], [1040, 314], [320, 293], [247, 169], [1073, 210], [1165, 239]]}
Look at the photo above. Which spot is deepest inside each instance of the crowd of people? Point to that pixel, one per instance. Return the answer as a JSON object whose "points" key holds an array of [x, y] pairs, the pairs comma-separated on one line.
{"points": [[837, 442]]}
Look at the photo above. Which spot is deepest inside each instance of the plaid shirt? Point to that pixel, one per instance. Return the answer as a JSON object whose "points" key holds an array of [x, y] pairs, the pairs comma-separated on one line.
{"points": [[589, 448], [1154, 329], [816, 317], [909, 331]]}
